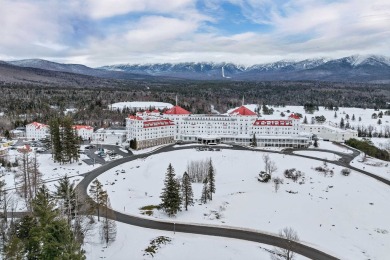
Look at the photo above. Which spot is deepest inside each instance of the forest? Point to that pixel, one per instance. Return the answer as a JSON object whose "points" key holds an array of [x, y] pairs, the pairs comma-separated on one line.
{"points": [[23, 103]]}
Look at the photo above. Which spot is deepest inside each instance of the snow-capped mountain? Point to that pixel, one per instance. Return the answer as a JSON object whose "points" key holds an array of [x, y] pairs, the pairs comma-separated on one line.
{"points": [[357, 68], [354, 68]]}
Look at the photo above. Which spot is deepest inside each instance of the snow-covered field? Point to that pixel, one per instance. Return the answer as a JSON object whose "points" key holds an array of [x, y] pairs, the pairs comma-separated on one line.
{"points": [[364, 114], [372, 165], [132, 241], [332, 147], [140, 105], [321, 155], [344, 216]]}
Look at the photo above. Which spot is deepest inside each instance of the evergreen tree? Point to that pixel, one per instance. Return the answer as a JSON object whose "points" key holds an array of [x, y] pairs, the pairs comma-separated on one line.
{"points": [[254, 141], [360, 119], [98, 196], [305, 120], [186, 189], [66, 193], [211, 179], [170, 197], [379, 121], [342, 125], [315, 143], [353, 117], [205, 192], [44, 234], [335, 114], [55, 139]]}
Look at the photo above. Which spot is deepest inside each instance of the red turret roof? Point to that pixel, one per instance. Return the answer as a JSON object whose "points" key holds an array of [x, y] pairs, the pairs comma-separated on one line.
{"points": [[294, 116], [243, 111], [176, 110]]}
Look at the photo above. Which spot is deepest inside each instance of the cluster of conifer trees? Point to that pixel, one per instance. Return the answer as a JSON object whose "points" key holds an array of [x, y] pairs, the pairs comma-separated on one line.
{"points": [[178, 193], [63, 140]]}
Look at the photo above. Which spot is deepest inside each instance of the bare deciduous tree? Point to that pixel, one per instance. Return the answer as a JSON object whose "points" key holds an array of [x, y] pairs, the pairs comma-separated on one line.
{"points": [[277, 181], [287, 251], [269, 165]]}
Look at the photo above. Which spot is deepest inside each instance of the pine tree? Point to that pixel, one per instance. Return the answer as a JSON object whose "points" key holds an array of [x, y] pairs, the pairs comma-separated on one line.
{"points": [[254, 141], [66, 193], [342, 123], [335, 114], [205, 192], [211, 179], [55, 139], [305, 120], [170, 196], [44, 234], [353, 117], [98, 196], [186, 189], [315, 143]]}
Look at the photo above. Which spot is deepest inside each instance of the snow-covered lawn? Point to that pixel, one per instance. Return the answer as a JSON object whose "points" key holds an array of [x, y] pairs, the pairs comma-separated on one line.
{"points": [[344, 216], [321, 155], [132, 241], [332, 147], [372, 165]]}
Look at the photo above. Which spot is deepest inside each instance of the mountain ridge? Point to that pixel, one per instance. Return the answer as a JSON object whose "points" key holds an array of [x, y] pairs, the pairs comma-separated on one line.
{"points": [[355, 68]]}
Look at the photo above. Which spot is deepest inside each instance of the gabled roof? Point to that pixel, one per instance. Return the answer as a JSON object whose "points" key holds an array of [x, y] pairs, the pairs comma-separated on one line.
{"points": [[176, 110], [294, 116], [243, 111], [38, 125], [135, 117], [87, 127]]}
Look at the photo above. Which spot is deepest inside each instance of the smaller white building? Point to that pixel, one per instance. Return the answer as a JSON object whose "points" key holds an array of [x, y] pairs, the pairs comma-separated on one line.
{"points": [[84, 131], [37, 131], [109, 136], [329, 133]]}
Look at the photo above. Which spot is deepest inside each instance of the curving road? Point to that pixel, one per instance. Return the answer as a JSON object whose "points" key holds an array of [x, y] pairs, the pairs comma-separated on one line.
{"points": [[236, 233]]}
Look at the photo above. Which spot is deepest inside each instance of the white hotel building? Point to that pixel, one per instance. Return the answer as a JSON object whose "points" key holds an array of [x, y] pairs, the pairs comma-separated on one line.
{"points": [[238, 126], [37, 131]]}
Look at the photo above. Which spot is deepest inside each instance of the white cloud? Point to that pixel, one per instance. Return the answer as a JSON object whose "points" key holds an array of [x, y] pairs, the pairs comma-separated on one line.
{"points": [[99, 9], [172, 30]]}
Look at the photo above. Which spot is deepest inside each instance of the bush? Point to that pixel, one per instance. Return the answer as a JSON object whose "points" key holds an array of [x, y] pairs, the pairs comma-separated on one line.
{"points": [[367, 147], [345, 171], [264, 177]]}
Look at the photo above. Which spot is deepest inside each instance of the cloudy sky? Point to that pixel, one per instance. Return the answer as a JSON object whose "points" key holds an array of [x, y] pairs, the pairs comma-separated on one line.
{"points": [[102, 32]]}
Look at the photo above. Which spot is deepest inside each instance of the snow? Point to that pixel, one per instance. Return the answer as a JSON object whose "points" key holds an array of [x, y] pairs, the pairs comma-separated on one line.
{"points": [[372, 165], [321, 155], [365, 114], [338, 214], [51, 173], [140, 105], [332, 147], [182, 246]]}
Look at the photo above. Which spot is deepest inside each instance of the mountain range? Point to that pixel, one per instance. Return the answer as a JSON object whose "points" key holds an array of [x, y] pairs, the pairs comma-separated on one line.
{"points": [[357, 68]]}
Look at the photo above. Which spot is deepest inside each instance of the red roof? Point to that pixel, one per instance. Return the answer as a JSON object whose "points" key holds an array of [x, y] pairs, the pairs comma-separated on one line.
{"points": [[294, 116], [243, 111], [78, 127], [135, 117], [38, 125], [176, 110]]}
